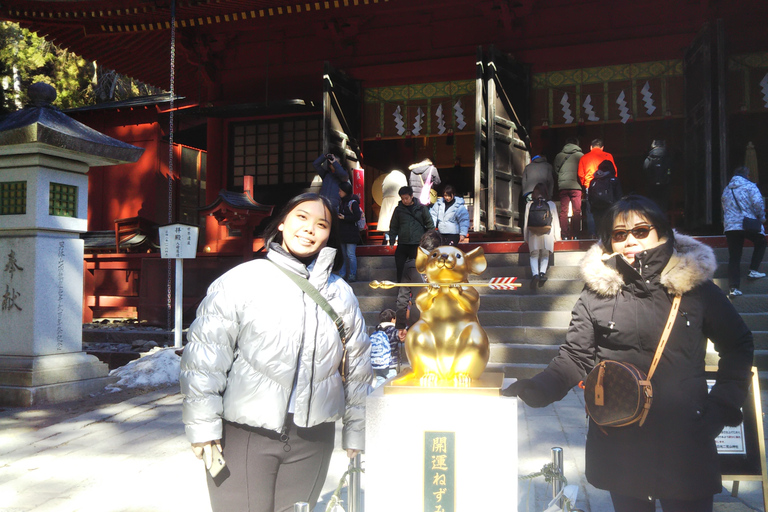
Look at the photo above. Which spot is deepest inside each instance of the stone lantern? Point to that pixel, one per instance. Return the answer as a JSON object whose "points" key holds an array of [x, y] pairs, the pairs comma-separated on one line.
{"points": [[44, 160]]}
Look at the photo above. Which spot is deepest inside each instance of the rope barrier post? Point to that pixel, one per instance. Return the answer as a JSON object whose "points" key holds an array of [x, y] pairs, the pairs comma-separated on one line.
{"points": [[353, 497], [301, 506], [557, 469]]}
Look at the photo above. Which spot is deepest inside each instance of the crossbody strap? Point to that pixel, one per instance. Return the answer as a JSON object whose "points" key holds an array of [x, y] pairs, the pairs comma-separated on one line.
{"points": [[738, 205], [422, 222], [314, 294], [565, 162], [665, 334]]}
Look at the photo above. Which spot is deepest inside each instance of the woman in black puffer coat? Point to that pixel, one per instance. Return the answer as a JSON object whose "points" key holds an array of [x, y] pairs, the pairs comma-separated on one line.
{"points": [[631, 276]]}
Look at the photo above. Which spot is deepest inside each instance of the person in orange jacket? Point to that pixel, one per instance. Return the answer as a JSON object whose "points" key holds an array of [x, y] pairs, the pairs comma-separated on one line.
{"points": [[589, 162], [587, 167]]}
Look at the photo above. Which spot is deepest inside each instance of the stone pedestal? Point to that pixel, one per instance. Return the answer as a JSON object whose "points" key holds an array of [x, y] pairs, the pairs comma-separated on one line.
{"points": [[44, 161], [41, 259], [405, 435]]}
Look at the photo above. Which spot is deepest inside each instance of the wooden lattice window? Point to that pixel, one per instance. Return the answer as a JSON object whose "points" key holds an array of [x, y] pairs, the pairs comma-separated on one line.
{"points": [[62, 200], [276, 152], [13, 198]]}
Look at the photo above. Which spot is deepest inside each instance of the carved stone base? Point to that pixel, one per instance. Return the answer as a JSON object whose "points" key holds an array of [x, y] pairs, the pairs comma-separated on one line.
{"points": [[34, 380], [398, 429]]}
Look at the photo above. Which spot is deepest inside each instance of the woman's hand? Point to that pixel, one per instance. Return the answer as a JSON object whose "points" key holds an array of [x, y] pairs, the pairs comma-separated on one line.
{"points": [[462, 239], [529, 391], [204, 451], [352, 453]]}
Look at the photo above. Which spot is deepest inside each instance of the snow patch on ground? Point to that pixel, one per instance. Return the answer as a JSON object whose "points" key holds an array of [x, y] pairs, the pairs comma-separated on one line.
{"points": [[157, 368]]}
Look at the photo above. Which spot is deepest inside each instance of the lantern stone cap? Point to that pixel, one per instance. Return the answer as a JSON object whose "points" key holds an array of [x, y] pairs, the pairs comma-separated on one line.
{"points": [[40, 126]]}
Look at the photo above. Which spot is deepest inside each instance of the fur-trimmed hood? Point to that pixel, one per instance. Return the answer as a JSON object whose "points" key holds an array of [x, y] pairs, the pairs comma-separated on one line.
{"points": [[690, 264], [421, 167]]}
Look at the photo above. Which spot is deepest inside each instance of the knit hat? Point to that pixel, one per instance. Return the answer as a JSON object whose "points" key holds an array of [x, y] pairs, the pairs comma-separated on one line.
{"points": [[346, 187]]}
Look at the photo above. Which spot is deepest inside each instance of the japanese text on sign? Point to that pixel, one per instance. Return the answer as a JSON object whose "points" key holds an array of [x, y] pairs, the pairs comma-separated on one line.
{"points": [[439, 471], [178, 241]]}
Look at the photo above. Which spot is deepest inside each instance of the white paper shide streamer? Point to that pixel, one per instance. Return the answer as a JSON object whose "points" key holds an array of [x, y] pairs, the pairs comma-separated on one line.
{"points": [[459, 112], [567, 115], [399, 124], [648, 98], [418, 122], [589, 109], [623, 110], [440, 119]]}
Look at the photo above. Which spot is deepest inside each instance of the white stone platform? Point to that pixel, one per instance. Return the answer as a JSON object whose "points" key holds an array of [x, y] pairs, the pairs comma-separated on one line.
{"points": [[485, 458]]}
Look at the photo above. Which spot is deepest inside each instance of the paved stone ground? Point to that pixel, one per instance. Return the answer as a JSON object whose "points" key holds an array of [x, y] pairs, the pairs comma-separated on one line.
{"points": [[563, 424], [126, 452]]}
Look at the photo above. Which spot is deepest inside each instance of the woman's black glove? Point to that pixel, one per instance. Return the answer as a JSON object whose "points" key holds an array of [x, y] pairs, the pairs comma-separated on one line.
{"points": [[529, 391], [716, 416]]}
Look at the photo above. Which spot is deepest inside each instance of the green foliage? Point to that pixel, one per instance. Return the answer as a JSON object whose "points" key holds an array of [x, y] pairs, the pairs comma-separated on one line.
{"points": [[26, 58]]}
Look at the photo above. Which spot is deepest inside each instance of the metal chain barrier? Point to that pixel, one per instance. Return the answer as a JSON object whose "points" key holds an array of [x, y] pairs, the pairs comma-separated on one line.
{"points": [[170, 157]]}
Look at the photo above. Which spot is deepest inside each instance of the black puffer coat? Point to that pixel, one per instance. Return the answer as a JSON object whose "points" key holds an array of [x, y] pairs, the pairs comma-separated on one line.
{"points": [[673, 454], [349, 207]]}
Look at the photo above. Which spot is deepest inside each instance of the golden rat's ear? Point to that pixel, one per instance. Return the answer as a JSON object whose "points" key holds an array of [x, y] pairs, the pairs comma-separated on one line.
{"points": [[422, 257], [476, 262]]}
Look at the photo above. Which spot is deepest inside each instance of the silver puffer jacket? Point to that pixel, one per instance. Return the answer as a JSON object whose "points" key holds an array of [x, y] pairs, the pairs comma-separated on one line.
{"points": [[256, 333]]}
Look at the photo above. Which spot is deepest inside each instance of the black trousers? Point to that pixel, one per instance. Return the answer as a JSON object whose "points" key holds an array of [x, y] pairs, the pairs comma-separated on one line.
{"points": [[735, 245], [450, 239], [264, 474], [660, 195], [627, 504], [403, 252]]}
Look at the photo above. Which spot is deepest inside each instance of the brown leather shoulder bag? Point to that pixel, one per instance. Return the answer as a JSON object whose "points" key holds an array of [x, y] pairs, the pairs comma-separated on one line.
{"points": [[617, 394]]}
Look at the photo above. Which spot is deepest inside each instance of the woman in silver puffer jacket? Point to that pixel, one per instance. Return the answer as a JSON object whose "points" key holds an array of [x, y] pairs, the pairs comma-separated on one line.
{"points": [[260, 372]]}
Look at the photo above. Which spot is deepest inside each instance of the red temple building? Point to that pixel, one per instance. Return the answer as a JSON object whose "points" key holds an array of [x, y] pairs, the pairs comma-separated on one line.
{"points": [[263, 87]]}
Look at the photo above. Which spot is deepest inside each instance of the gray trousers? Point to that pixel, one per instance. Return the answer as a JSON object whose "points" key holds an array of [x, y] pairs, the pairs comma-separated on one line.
{"points": [[264, 474]]}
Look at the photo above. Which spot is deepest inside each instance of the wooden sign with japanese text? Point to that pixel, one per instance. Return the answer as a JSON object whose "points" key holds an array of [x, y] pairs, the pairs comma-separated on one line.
{"points": [[178, 241], [741, 450]]}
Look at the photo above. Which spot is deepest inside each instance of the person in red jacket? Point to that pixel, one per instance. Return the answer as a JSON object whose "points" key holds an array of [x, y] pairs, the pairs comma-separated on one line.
{"points": [[589, 162], [587, 167]]}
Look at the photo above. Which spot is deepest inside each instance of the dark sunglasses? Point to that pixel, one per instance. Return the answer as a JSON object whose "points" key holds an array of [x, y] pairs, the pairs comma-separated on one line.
{"points": [[639, 232]]}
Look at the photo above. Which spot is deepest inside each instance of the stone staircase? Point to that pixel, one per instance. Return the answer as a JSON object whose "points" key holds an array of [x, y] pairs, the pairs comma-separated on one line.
{"points": [[526, 326]]}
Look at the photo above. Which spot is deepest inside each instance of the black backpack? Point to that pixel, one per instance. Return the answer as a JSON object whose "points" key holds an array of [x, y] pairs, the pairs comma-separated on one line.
{"points": [[539, 214], [603, 190], [658, 171]]}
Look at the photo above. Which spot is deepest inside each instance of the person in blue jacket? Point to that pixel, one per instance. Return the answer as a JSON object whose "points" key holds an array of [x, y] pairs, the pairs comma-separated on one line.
{"points": [[451, 218], [332, 173]]}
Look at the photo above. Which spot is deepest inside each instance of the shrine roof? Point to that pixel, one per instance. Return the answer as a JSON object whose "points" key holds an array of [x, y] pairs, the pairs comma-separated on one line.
{"points": [[237, 200], [139, 101], [133, 36]]}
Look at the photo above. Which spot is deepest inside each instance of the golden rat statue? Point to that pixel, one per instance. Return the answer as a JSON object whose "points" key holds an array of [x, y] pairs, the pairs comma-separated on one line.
{"points": [[447, 343]]}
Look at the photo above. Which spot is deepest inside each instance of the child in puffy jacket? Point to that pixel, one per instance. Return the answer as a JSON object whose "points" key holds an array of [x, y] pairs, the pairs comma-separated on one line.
{"points": [[384, 348]]}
